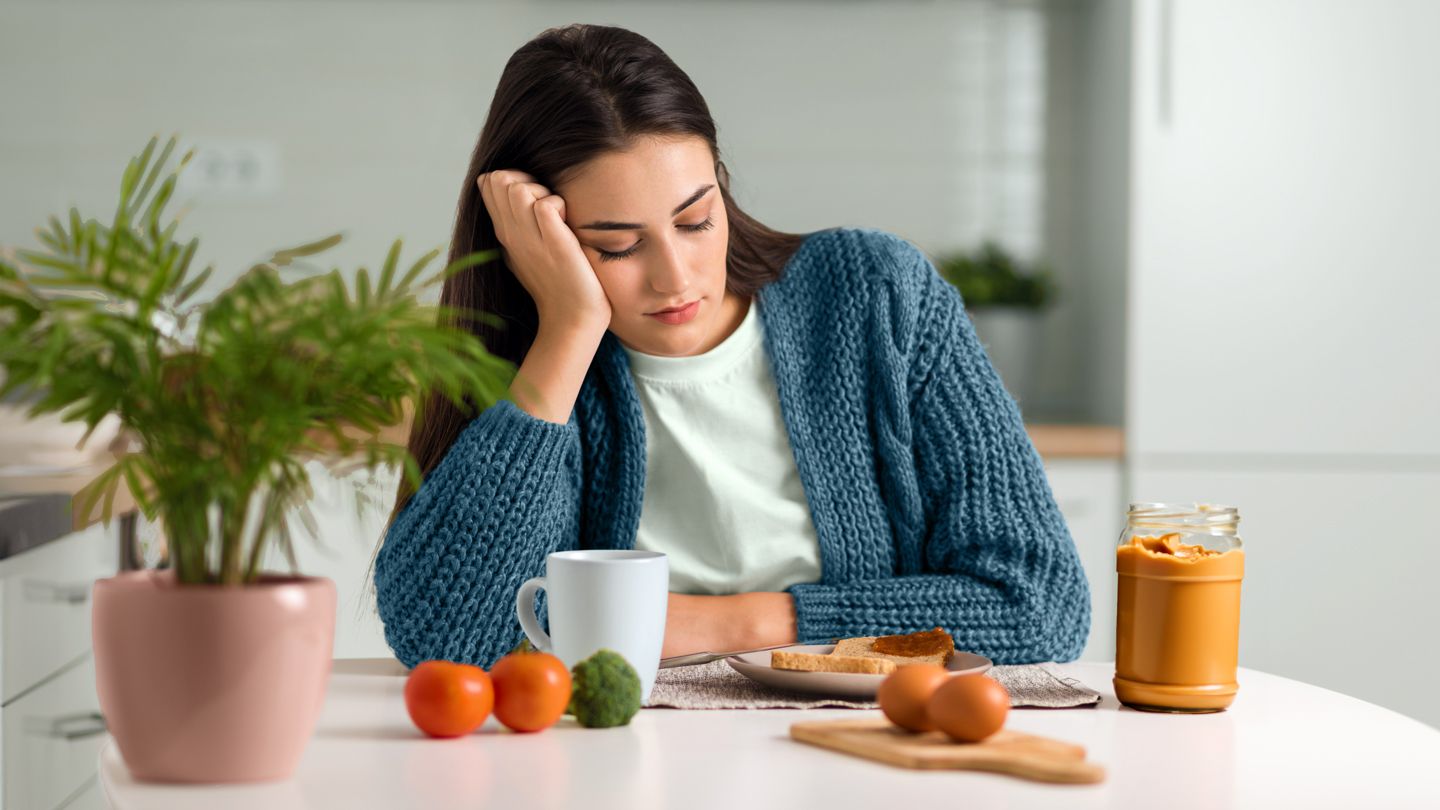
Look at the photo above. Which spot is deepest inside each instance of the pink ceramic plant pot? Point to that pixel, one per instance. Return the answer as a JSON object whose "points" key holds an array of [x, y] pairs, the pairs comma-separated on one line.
{"points": [[211, 683]]}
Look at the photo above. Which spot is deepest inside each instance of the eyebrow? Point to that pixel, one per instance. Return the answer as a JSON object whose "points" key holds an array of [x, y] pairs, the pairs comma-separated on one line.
{"points": [[607, 225]]}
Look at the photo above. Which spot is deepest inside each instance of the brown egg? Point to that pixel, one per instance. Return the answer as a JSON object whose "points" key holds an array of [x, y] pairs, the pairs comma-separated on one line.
{"points": [[969, 708], [904, 694]]}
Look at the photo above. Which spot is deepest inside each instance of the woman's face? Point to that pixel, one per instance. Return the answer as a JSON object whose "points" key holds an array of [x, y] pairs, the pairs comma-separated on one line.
{"points": [[652, 222]]}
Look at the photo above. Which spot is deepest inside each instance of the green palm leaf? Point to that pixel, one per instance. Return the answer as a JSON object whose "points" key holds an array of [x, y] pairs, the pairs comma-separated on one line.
{"points": [[226, 398]]}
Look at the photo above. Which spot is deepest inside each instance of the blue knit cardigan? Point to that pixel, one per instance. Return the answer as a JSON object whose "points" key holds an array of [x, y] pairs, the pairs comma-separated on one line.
{"points": [[929, 501]]}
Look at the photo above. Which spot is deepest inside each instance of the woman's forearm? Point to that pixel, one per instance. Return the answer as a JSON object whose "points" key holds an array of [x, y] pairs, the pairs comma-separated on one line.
{"points": [[549, 379], [699, 623], [766, 618]]}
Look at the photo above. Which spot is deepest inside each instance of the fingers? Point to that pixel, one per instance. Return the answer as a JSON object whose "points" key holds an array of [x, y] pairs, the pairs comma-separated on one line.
{"points": [[508, 196], [522, 202], [550, 220]]}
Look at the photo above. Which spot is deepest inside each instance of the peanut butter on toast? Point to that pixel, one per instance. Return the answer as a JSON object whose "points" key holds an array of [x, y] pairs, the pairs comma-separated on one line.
{"points": [[874, 655]]}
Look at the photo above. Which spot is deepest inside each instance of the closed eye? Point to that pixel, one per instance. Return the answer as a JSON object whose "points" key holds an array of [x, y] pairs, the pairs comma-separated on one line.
{"points": [[607, 256]]}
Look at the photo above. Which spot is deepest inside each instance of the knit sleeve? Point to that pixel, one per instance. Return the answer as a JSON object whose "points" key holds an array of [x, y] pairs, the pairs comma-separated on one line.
{"points": [[504, 496], [1000, 571]]}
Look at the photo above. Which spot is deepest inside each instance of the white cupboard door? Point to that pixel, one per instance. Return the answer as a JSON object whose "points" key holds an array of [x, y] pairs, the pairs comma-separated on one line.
{"points": [[1285, 263], [51, 739], [45, 604]]}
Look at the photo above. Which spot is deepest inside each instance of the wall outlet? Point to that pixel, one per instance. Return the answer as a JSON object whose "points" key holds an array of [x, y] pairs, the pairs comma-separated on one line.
{"points": [[224, 168]]}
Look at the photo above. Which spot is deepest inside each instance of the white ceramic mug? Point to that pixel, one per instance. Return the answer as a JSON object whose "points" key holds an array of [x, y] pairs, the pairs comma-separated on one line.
{"points": [[614, 599]]}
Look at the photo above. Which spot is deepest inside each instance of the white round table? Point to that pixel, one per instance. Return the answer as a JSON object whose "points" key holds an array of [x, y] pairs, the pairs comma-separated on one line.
{"points": [[1282, 743]]}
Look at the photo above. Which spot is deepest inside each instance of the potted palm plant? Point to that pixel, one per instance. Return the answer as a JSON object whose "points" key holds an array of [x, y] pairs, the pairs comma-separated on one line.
{"points": [[213, 669], [1004, 298]]}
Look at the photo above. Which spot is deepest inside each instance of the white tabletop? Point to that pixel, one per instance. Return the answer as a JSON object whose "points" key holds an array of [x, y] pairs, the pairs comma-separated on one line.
{"points": [[1282, 743]]}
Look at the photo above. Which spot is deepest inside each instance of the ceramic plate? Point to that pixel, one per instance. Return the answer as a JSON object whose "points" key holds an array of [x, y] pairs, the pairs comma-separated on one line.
{"points": [[756, 666]]}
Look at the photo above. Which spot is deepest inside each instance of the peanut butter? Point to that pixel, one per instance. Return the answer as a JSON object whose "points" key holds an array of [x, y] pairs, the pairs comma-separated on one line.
{"points": [[1177, 624], [927, 642]]}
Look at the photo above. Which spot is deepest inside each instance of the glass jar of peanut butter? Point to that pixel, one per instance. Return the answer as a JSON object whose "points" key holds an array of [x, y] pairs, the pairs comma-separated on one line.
{"points": [[1177, 626]]}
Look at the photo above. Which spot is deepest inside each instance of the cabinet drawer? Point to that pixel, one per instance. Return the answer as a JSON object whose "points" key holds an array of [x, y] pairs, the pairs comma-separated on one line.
{"points": [[45, 593], [91, 797], [52, 739]]}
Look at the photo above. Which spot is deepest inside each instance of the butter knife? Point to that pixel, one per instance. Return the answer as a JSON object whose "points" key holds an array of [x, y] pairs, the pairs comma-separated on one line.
{"points": [[691, 659]]}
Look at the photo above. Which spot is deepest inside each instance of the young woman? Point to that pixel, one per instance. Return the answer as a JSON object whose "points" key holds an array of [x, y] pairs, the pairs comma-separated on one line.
{"points": [[805, 424]]}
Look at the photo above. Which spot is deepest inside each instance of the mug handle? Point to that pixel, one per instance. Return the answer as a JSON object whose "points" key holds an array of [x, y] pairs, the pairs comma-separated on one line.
{"points": [[525, 610]]}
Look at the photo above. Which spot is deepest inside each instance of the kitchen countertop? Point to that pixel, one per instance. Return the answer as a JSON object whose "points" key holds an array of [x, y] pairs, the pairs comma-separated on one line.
{"points": [[1283, 743], [39, 456], [28, 521], [1077, 441]]}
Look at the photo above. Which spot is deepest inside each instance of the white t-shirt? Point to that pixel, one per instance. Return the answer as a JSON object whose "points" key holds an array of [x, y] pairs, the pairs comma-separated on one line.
{"points": [[723, 498]]}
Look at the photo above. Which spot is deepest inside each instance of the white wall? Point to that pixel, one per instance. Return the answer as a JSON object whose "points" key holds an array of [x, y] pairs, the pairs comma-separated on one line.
{"points": [[851, 114]]}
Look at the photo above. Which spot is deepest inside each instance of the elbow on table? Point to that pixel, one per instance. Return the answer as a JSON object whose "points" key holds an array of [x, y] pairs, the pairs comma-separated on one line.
{"points": [[456, 628], [1064, 613], [1052, 614], [403, 629], [415, 634], [412, 623]]}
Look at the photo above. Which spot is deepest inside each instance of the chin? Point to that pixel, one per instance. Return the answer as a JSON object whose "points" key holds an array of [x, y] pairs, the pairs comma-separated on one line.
{"points": [[672, 341], [677, 346]]}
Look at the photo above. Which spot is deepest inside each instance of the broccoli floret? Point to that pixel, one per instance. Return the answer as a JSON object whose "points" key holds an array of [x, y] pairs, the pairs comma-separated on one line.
{"points": [[605, 690]]}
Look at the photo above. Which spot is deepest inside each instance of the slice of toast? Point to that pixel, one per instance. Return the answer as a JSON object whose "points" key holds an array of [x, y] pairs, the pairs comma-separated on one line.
{"points": [[859, 654], [812, 662]]}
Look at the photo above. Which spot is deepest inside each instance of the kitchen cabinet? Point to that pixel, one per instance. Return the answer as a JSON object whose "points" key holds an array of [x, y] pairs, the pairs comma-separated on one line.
{"points": [[46, 599], [1283, 291], [51, 728], [52, 739], [90, 797]]}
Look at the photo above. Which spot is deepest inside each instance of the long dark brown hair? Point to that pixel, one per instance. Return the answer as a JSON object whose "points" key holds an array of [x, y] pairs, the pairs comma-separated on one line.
{"points": [[566, 97]]}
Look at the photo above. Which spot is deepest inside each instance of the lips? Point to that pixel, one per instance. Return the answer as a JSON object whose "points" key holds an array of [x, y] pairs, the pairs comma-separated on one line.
{"points": [[671, 309], [677, 317]]}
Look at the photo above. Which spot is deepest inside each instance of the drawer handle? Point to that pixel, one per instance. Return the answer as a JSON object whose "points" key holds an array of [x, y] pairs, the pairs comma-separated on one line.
{"points": [[73, 593], [76, 726]]}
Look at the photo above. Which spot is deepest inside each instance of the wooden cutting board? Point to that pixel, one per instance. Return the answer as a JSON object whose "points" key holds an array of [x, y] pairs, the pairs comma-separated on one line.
{"points": [[1006, 751]]}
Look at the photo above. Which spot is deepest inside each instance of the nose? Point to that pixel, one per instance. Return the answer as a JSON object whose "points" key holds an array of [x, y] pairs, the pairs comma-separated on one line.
{"points": [[668, 274]]}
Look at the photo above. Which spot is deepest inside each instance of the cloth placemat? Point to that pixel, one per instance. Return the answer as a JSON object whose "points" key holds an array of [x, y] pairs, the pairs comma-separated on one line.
{"points": [[717, 685]]}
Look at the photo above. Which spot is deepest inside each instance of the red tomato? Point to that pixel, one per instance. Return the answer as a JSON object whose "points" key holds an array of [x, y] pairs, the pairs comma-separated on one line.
{"points": [[447, 699], [531, 690]]}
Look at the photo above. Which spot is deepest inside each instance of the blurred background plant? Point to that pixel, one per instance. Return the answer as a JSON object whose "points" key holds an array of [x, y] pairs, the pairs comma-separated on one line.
{"points": [[1004, 298], [226, 399], [990, 276]]}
